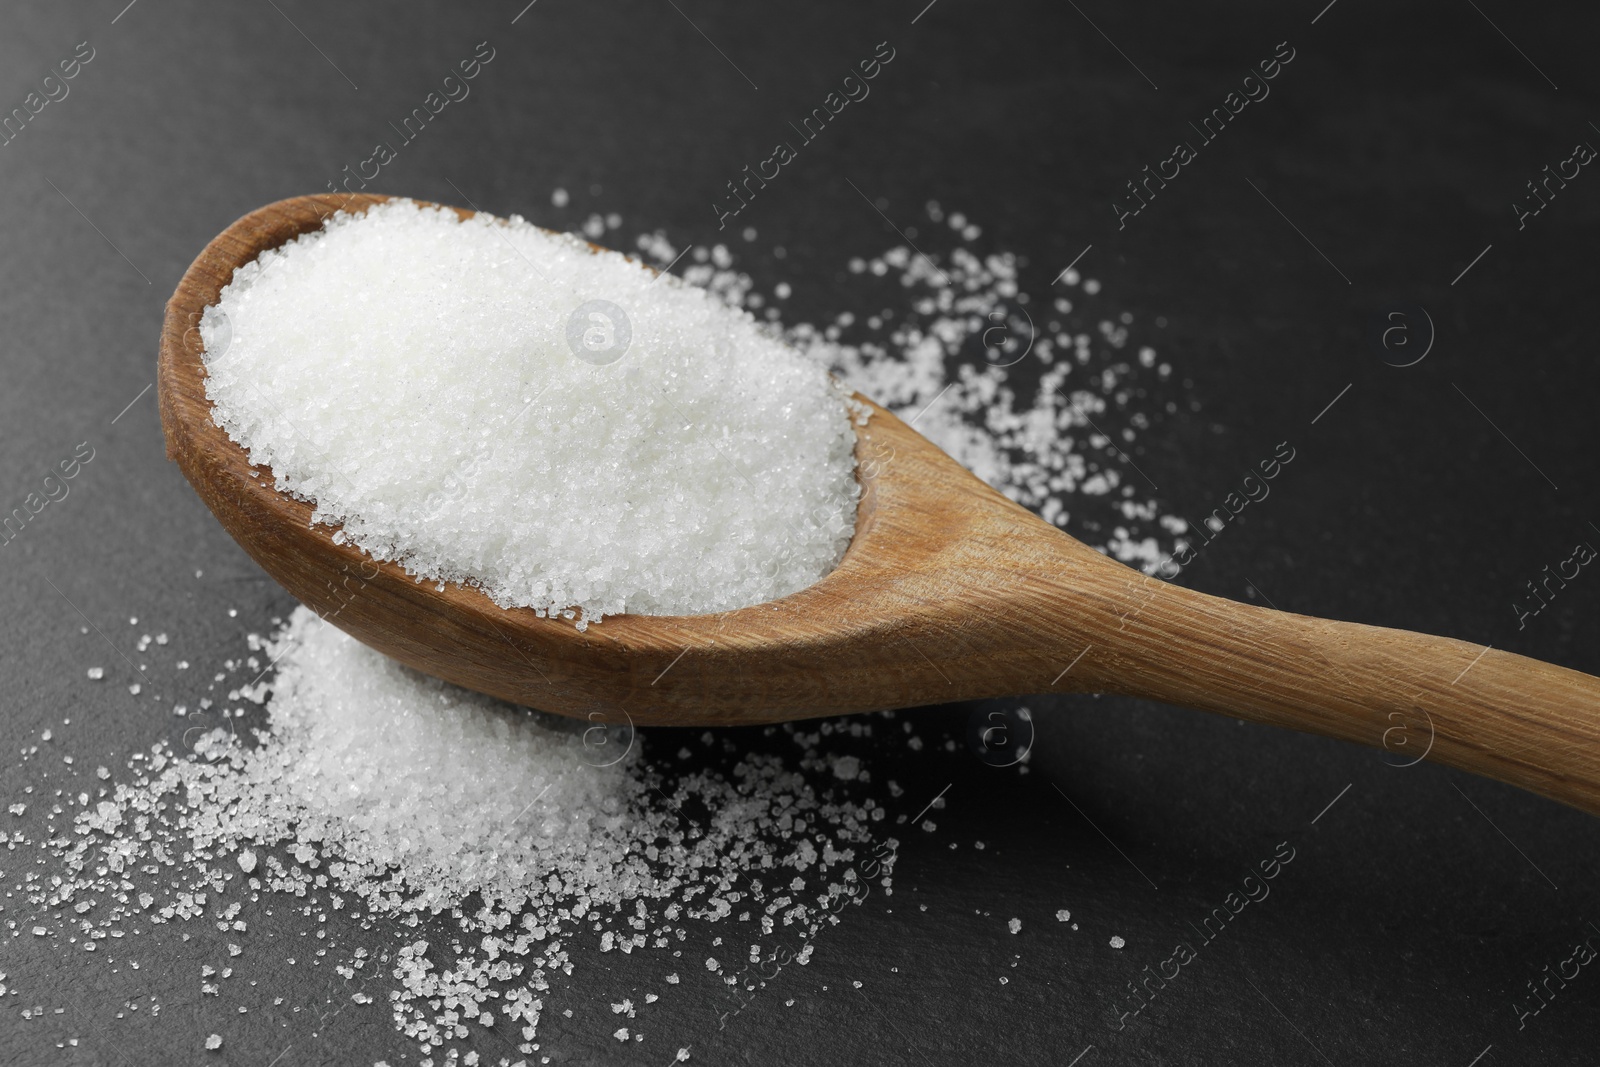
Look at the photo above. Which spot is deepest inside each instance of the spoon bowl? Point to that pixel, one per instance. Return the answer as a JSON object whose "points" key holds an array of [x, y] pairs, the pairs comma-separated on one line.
{"points": [[947, 592]]}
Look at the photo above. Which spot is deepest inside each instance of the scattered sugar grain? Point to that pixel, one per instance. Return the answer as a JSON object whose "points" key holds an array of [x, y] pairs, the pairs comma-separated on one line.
{"points": [[414, 797]]}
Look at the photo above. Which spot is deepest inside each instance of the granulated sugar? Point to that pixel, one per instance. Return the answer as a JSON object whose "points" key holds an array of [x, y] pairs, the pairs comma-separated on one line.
{"points": [[503, 406], [453, 859], [394, 770], [391, 795]]}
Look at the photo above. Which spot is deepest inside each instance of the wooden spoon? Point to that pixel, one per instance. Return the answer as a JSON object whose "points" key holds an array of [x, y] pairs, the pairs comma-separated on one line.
{"points": [[948, 592]]}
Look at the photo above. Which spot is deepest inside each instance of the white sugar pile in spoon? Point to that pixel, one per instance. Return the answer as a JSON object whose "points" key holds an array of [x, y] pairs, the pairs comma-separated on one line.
{"points": [[500, 405]]}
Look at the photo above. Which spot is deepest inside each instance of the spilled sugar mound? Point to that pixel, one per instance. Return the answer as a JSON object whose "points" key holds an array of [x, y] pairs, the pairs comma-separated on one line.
{"points": [[495, 404], [394, 770], [402, 798]]}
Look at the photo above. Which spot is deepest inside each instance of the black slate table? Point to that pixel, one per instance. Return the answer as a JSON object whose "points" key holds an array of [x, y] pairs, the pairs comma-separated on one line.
{"points": [[1387, 171]]}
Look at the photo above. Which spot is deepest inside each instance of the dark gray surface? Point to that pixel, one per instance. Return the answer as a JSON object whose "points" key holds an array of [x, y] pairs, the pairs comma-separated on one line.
{"points": [[1416, 907]]}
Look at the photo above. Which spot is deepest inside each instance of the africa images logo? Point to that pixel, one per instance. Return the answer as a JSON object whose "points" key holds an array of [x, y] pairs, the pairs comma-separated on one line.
{"points": [[598, 332]]}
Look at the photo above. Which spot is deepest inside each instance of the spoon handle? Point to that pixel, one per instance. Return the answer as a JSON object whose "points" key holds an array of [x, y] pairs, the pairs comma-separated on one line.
{"points": [[1519, 720]]}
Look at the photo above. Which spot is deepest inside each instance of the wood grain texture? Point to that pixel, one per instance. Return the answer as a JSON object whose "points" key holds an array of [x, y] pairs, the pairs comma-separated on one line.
{"points": [[948, 591]]}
